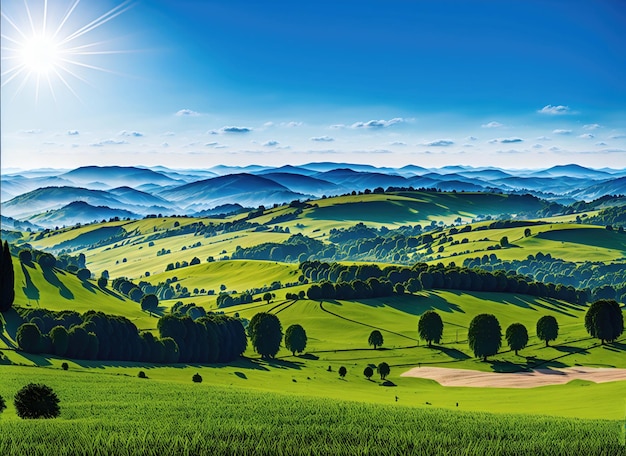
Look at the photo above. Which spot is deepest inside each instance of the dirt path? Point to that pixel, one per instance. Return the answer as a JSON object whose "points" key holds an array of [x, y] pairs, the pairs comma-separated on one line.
{"points": [[537, 377]]}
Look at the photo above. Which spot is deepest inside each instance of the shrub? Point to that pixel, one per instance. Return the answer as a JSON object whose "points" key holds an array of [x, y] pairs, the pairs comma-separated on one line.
{"points": [[376, 339], [36, 401], [196, 378], [29, 337], [25, 256], [142, 374], [83, 274], [383, 370], [65, 366], [342, 371], [3, 404], [368, 372]]}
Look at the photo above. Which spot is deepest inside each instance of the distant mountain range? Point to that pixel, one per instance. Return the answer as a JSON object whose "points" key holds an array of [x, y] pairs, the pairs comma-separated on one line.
{"points": [[50, 197]]}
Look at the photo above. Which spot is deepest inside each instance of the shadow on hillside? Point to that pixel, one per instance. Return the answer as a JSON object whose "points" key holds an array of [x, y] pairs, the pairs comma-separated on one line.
{"points": [[53, 279], [545, 364], [414, 304], [242, 363], [507, 367], [39, 360], [310, 356], [112, 293], [615, 347], [89, 286], [572, 350], [9, 343], [452, 352], [30, 290]]}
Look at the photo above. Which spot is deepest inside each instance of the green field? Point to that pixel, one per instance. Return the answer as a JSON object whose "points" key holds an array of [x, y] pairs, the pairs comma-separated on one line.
{"points": [[294, 404]]}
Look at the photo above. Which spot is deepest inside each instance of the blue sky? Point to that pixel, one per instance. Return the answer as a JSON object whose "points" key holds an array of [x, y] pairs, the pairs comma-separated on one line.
{"points": [[517, 84]]}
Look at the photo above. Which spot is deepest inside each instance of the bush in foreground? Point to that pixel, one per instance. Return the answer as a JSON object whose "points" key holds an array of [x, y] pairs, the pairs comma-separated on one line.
{"points": [[197, 378], [142, 374], [36, 401]]}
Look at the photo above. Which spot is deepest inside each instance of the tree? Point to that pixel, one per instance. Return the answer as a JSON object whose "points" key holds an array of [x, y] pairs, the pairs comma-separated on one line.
{"points": [[430, 327], [7, 279], [197, 378], [527, 232], [265, 333], [516, 336], [3, 404], [103, 282], [149, 302], [25, 256], [504, 241], [484, 335], [46, 260], [375, 339], [383, 370], [547, 328], [29, 337], [60, 340], [83, 274], [368, 372], [314, 293], [295, 339], [604, 320], [267, 297], [342, 371], [36, 401]]}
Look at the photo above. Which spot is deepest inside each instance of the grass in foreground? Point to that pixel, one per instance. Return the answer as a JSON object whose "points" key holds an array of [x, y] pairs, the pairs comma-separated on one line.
{"points": [[108, 414]]}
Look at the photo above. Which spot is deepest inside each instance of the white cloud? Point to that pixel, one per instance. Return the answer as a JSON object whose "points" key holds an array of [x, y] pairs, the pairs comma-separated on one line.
{"points": [[560, 131], [187, 113], [618, 136], [586, 136], [234, 129], [168, 133], [322, 139], [506, 140], [440, 143], [73, 132], [165, 144], [291, 124], [543, 138], [378, 123], [601, 143], [109, 142], [337, 126], [397, 143], [492, 124], [131, 134], [555, 149], [555, 110], [472, 138], [537, 146], [591, 126], [31, 132], [271, 143]]}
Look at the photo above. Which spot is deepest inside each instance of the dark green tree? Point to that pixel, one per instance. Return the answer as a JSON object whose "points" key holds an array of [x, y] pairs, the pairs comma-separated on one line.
{"points": [[60, 340], [484, 335], [547, 328], [150, 303], [36, 401], [430, 327], [7, 279], [3, 404], [604, 320], [516, 336], [103, 282], [267, 297], [295, 339], [375, 339], [29, 338], [342, 371], [25, 256], [265, 333], [46, 260], [196, 378], [83, 274], [383, 370], [368, 372]]}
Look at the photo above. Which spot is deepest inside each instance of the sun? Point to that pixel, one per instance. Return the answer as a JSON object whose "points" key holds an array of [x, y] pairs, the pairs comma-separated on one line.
{"points": [[52, 47], [40, 54]]}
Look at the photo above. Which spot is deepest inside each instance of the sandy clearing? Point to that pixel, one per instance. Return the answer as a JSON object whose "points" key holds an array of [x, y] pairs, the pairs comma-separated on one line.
{"points": [[537, 377]]}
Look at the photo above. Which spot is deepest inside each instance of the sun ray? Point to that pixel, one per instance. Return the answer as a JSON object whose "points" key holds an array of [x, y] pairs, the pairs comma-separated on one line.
{"points": [[34, 54]]}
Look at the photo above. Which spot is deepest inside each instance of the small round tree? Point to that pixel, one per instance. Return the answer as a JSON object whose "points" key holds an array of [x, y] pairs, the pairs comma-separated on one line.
{"points": [[3, 404], [265, 333], [60, 340], [516, 336], [149, 303], [65, 366], [604, 320], [342, 371], [375, 339], [484, 335], [29, 337], [267, 297], [383, 370], [295, 339], [83, 274], [368, 372], [142, 374], [547, 328], [430, 327], [36, 401], [197, 378], [25, 256]]}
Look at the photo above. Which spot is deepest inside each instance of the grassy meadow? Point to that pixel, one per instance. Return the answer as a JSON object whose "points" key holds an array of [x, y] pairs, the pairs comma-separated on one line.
{"points": [[295, 404]]}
